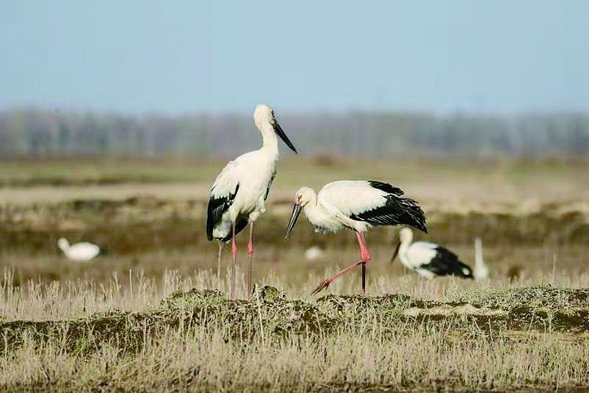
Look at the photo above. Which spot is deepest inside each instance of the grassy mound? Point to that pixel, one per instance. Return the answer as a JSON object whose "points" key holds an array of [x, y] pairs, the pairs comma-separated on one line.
{"points": [[271, 314], [522, 338]]}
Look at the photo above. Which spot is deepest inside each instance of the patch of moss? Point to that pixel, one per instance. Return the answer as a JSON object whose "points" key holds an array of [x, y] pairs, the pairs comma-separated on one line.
{"points": [[545, 296]]}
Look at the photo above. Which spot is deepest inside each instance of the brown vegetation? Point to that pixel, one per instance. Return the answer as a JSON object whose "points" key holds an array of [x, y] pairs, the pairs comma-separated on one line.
{"points": [[152, 315]]}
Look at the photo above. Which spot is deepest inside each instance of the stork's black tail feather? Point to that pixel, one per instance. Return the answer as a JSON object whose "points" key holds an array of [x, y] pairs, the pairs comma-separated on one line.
{"points": [[412, 214], [446, 263], [398, 210], [216, 208], [239, 226]]}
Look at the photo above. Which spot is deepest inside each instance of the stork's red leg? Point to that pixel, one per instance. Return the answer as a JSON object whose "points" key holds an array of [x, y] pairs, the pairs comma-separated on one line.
{"points": [[365, 257], [219, 260], [329, 280], [234, 267], [250, 253]]}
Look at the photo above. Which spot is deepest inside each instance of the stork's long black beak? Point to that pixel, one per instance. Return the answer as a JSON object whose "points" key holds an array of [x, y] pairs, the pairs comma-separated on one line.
{"points": [[296, 210], [280, 132], [396, 252]]}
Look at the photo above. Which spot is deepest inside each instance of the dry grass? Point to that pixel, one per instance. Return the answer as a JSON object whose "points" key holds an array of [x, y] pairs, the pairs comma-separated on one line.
{"points": [[153, 315], [516, 337]]}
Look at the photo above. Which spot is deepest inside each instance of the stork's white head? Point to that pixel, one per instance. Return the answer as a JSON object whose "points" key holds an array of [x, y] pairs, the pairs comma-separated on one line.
{"points": [[304, 196], [263, 114], [63, 244], [405, 238], [267, 124], [406, 235]]}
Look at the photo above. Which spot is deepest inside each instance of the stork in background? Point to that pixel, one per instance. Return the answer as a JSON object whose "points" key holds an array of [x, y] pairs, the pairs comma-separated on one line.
{"points": [[239, 193], [428, 259], [79, 252], [480, 270], [314, 253], [355, 205]]}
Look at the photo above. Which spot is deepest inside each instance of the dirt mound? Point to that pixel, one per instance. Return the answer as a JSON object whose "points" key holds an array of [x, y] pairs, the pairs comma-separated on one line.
{"points": [[270, 312]]}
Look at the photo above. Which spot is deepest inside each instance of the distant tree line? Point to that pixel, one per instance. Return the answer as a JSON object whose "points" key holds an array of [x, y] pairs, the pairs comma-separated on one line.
{"points": [[42, 133]]}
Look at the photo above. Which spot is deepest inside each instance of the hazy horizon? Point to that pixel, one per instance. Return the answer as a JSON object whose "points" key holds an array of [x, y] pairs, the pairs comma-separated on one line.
{"points": [[445, 57]]}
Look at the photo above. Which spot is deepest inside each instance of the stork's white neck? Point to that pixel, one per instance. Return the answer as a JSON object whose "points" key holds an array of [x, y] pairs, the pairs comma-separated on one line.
{"points": [[63, 244], [405, 243], [478, 252], [270, 141], [315, 213]]}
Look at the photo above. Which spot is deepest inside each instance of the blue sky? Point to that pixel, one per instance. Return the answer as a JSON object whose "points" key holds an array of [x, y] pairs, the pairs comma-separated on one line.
{"points": [[190, 56]]}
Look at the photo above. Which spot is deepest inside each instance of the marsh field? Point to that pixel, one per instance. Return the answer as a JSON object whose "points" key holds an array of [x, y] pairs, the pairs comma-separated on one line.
{"points": [[154, 313]]}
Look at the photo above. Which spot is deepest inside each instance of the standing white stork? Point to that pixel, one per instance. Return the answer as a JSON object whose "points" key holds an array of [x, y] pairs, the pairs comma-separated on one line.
{"points": [[239, 192], [428, 259], [355, 205], [80, 252], [480, 270]]}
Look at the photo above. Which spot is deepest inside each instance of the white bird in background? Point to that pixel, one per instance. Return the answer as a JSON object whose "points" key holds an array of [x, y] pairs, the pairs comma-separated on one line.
{"points": [[239, 192], [429, 259], [313, 253], [355, 205], [80, 252], [480, 270]]}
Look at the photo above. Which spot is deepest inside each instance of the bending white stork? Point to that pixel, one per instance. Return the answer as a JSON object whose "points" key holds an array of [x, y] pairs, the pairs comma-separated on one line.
{"points": [[80, 252], [239, 192], [356, 205], [428, 259], [480, 270]]}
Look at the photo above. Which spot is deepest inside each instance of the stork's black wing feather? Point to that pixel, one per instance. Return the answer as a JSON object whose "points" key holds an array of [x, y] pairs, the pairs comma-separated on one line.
{"points": [[397, 210], [215, 210], [386, 187], [269, 185], [446, 263]]}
